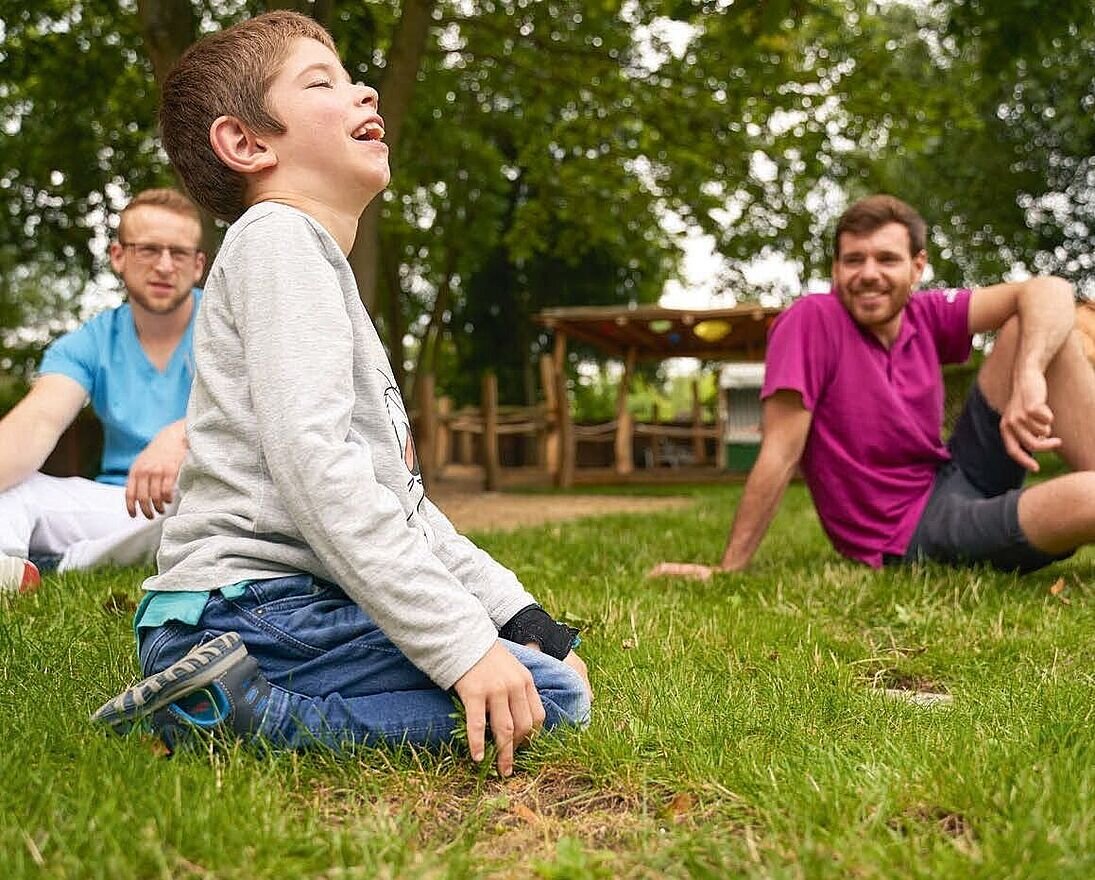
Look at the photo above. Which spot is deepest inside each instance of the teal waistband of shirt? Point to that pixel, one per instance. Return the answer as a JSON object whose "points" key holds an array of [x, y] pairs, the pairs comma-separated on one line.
{"points": [[183, 606]]}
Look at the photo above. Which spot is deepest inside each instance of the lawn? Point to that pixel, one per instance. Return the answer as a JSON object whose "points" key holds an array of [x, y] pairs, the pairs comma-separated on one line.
{"points": [[740, 729]]}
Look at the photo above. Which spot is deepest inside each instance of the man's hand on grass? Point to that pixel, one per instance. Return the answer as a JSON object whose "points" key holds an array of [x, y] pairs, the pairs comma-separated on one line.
{"points": [[692, 570], [500, 688]]}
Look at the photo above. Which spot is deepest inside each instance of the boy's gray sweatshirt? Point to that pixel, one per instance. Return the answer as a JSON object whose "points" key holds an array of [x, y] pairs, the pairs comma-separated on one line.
{"points": [[301, 457]]}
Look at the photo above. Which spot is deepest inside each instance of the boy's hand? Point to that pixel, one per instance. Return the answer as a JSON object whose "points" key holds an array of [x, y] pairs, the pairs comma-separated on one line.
{"points": [[501, 688]]}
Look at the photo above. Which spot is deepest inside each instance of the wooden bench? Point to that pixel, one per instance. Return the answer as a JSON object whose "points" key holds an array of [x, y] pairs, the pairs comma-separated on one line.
{"points": [[79, 451]]}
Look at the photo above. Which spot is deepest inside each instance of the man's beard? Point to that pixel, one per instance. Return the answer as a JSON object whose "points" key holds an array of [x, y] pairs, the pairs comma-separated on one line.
{"points": [[873, 317], [160, 307]]}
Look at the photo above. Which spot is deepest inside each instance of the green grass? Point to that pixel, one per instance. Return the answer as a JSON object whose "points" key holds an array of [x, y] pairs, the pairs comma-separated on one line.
{"points": [[738, 731]]}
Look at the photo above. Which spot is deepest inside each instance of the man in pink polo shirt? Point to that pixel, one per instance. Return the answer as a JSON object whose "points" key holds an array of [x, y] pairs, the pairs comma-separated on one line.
{"points": [[853, 393]]}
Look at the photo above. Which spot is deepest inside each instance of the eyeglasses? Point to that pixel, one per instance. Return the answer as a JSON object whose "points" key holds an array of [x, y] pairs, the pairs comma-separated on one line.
{"points": [[146, 252]]}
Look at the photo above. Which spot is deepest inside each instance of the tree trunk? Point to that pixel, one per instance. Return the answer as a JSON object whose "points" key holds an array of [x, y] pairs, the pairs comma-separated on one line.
{"points": [[492, 466], [396, 94], [168, 27], [393, 314], [431, 339]]}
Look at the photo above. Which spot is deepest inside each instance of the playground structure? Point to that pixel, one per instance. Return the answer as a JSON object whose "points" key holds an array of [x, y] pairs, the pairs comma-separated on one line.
{"points": [[564, 449]]}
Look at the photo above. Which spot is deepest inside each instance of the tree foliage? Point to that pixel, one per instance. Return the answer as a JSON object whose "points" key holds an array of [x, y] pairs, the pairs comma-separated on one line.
{"points": [[539, 147]]}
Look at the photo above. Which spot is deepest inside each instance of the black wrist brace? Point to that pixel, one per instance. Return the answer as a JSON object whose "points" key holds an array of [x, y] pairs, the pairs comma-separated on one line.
{"points": [[534, 624]]}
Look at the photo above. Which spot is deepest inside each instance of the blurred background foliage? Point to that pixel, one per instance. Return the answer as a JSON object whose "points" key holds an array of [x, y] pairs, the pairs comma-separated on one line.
{"points": [[554, 153]]}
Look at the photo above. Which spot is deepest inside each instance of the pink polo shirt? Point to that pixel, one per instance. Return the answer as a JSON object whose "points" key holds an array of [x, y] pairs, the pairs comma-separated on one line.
{"points": [[875, 438]]}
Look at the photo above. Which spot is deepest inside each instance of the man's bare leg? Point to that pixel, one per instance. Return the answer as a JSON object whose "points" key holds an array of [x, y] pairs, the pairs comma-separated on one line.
{"points": [[1071, 392], [1058, 515]]}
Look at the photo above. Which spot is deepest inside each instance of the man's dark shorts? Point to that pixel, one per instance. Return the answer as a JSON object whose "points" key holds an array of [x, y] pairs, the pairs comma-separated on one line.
{"points": [[973, 513]]}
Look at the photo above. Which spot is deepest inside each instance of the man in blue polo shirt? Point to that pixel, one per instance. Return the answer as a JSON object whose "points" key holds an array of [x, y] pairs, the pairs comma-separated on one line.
{"points": [[134, 364]]}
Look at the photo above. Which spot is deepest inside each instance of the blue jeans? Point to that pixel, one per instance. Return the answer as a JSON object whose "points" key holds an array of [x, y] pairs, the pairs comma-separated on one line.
{"points": [[335, 677]]}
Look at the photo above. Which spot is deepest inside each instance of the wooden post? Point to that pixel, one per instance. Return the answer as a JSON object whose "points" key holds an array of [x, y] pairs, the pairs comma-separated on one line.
{"points": [[699, 451], [548, 446], [625, 463], [653, 451], [722, 417], [491, 466], [444, 434], [564, 477], [426, 442], [463, 445]]}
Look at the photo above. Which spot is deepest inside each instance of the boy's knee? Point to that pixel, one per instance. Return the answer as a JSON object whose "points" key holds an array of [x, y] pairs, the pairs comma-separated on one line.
{"points": [[565, 698]]}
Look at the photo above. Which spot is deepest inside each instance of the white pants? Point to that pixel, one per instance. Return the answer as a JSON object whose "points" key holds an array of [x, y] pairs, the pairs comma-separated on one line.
{"points": [[82, 521]]}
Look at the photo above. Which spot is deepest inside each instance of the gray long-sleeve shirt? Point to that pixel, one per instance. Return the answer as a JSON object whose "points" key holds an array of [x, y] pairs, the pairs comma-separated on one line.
{"points": [[301, 457]]}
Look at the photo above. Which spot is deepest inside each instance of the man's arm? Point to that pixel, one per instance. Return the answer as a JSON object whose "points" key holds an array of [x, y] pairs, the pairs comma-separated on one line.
{"points": [[786, 425], [1046, 310], [153, 474], [31, 430]]}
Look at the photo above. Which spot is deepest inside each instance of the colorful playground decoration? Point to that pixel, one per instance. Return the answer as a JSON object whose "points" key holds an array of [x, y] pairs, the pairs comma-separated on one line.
{"points": [[712, 331]]}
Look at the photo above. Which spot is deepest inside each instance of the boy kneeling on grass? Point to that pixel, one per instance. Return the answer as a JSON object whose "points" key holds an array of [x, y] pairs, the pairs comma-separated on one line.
{"points": [[308, 591]]}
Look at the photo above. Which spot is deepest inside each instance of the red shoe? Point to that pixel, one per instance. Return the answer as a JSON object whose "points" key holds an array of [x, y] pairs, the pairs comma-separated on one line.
{"points": [[18, 575]]}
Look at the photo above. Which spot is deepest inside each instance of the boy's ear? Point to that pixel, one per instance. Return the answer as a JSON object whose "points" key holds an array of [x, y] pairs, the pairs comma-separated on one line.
{"points": [[240, 148]]}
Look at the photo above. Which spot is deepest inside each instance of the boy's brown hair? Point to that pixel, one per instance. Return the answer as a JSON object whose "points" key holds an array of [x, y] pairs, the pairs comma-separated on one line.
{"points": [[227, 73], [874, 212], [166, 198]]}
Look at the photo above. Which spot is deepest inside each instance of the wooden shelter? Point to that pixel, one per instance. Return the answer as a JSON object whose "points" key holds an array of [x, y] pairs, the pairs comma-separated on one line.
{"points": [[642, 333]]}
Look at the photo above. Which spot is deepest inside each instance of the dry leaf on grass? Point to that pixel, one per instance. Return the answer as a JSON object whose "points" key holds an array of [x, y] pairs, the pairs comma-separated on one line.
{"points": [[1058, 590], [680, 806], [158, 748], [525, 813]]}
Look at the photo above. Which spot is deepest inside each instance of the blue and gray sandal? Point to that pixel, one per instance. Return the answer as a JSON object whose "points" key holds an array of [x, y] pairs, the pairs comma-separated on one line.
{"points": [[221, 669]]}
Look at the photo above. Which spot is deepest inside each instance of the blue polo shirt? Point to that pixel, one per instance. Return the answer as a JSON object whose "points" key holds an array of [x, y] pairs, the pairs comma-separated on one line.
{"points": [[133, 400]]}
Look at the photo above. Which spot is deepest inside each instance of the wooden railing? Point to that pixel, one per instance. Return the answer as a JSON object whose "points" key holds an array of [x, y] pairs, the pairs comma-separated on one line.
{"points": [[444, 435]]}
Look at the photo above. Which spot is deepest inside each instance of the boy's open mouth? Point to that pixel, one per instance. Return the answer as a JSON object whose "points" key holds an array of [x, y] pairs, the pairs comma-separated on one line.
{"points": [[370, 131]]}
